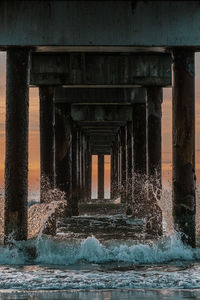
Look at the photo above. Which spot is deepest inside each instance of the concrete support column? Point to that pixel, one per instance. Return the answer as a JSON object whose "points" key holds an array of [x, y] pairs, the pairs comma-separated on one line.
{"points": [[112, 177], [123, 164], [129, 167], [88, 173], [81, 167], [119, 166], [74, 200], [90, 177], [184, 179], [100, 176], [84, 146], [115, 175], [47, 143], [79, 163], [16, 164], [139, 156], [62, 158], [154, 212], [69, 173]]}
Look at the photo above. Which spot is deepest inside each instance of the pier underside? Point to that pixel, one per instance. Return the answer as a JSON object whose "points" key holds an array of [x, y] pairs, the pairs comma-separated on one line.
{"points": [[101, 67]]}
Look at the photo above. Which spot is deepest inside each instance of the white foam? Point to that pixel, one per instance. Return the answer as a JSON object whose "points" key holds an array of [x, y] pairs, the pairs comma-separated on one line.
{"points": [[90, 265], [92, 251]]}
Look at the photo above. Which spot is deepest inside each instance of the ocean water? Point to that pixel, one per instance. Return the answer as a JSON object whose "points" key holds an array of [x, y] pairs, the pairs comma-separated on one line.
{"points": [[88, 269], [80, 269]]}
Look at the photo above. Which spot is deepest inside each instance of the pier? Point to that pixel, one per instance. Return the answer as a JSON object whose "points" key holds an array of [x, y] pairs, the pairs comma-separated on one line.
{"points": [[101, 67]]}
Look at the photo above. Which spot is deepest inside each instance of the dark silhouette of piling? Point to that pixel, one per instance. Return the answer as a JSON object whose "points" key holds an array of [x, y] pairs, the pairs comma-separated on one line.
{"points": [[63, 160], [100, 176], [47, 144], [74, 199], [139, 157], [129, 167], [16, 165], [184, 180], [154, 212]]}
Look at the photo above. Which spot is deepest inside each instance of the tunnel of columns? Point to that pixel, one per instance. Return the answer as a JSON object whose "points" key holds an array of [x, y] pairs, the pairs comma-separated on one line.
{"points": [[112, 106]]}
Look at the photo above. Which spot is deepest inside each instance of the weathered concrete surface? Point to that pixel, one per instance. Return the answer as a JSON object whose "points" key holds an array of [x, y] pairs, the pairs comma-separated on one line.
{"points": [[47, 144], [83, 192], [2, 203], [98, 95], [100, 70], [101, 149], [105, 207], [100, 176], [112, 178], [101, 125], [101, 139], [184, 179], [115, 150], [104, 228], [16, 164], [154, 114], [129, 167], [100, 128], [73, 201], [63, 128], [63, 160], [139, 157], [88, 172], [99, 131], [79, 150], [100, 23], [123, 164], [119, 163], [101, 113]]}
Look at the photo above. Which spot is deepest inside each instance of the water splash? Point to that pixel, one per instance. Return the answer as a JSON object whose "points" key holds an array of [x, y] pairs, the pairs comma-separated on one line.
{"points": [[88, 264], [53, 252]]}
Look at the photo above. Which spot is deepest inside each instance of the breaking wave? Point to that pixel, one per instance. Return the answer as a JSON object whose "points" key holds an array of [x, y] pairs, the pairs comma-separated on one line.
{"points": [[88, 264], [55, 252]]}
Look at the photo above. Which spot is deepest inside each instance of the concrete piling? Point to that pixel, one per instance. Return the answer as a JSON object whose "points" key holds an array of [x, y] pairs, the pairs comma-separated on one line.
{"points": [[115, 169], [88, 172], [100, 176], [63, 167], [74, 199], [123, 164], [139, 157], [47, 142], [83, 178], [129, 167], [79, 159], [184, 179], [112, 179], [154, 193], [16, 163], [119, 165]]}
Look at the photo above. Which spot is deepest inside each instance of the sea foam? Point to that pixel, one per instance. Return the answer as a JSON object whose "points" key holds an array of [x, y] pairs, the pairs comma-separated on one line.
{"points": [[54, 252]]}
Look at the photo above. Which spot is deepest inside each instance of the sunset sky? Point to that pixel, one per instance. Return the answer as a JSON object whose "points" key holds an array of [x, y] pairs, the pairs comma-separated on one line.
{"points": [[34, 129]]}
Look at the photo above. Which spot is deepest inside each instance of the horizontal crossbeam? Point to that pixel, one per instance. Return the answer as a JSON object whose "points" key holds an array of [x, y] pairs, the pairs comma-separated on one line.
{"points": [[100, 69], [101, 113], [99, 95]]}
